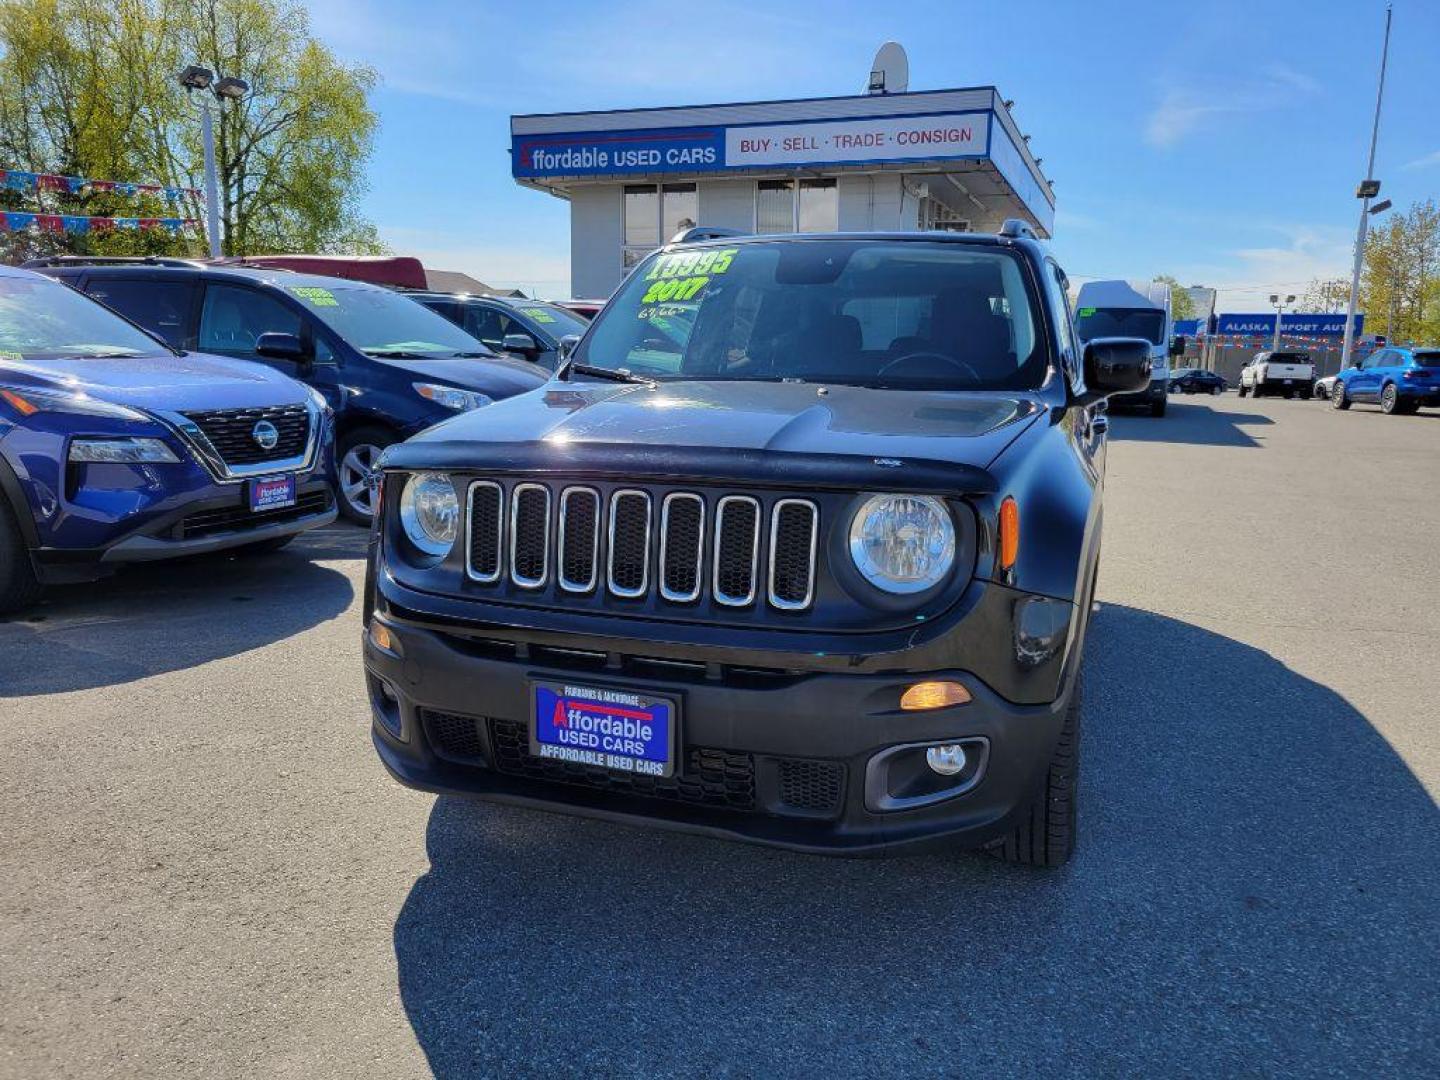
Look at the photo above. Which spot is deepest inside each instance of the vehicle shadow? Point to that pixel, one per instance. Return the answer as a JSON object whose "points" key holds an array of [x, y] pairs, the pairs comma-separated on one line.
{"points": [[1188, 422], [166, 616], [1255, 893]]}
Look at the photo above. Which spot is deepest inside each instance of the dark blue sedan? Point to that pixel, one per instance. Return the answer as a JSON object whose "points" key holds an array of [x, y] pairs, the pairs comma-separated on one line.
{"points": [[116, 448]]}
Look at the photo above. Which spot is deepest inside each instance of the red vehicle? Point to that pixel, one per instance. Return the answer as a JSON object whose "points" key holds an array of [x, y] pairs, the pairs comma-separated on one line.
{"points": [[586, 309], [405, 271]]}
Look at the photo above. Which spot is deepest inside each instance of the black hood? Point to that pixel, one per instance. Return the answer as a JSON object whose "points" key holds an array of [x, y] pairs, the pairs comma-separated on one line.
{"points": [[496, 377], [785, 432]]}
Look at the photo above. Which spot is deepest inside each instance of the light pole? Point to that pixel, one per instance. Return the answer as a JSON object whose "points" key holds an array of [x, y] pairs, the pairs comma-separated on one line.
{"points": [[1368, 189], [1279, 314], [198, 78]]}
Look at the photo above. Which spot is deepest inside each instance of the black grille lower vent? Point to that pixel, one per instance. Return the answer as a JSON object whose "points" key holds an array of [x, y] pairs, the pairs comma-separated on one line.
{"points": [[242, 518], [232, 432], [815, 786], [454, 737], [715, 778]]}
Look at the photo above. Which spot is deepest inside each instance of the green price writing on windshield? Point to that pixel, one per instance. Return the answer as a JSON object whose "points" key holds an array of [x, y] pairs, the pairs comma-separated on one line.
{"points": [[674, 289], [538, 314], [317, 296], [1085, 312], [691, 263]]}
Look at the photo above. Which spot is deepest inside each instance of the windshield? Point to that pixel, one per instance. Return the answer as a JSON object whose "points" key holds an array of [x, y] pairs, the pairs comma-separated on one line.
{"points": [[901, 314], [44, 320], [380, 321], [552, 320], [1147, 323]]}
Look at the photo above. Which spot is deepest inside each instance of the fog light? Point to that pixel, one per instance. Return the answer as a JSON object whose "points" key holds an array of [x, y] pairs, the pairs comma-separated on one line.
{"points": [[933, 695], [947, 760]]}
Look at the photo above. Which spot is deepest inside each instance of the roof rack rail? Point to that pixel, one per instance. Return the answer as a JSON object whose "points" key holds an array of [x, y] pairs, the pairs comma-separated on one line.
{"points": [[102, 260], [696, 233], [1015, 228]]}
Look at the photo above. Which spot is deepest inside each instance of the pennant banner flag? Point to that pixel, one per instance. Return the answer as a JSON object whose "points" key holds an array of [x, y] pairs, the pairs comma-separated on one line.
{"points": [[16, 180], [11, 221]]}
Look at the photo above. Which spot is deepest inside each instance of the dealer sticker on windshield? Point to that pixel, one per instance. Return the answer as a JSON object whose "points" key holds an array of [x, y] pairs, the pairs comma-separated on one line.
{"points": [[610, 729]]}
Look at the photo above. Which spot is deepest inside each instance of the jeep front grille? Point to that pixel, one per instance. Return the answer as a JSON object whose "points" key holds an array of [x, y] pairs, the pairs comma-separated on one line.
{"points": [[633, 545]]}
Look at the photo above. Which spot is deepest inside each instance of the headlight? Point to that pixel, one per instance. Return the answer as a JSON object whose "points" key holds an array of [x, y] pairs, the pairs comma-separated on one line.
{"points": [[902, 543], [452, 397], [121, 451], [430, 512], [29, 401]]}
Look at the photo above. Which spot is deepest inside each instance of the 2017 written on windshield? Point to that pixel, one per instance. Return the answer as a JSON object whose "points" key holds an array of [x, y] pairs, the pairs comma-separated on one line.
{"points": [[683, 276]]}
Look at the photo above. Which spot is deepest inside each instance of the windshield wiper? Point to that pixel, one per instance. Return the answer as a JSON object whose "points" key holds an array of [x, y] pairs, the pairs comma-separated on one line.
{"points": [[398, 354], [474, 355], [624, 375]]}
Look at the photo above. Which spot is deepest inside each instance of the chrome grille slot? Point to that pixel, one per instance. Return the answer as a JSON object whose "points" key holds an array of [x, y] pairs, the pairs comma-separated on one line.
{"points": [[737, 550], [793, 529], [629, 543], [579, 540], [682, 546], [484, 529], [529, 535]]}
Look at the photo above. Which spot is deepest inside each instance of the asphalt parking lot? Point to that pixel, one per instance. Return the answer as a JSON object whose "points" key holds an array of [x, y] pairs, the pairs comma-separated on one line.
{"points": [[205, 871]]}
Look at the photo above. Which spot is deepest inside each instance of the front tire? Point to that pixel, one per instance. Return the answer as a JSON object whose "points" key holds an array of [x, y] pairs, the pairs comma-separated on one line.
{"points": [[19, 587], [1157, 408], [1045, 835], [356, 455], [1243, 390], [1338, 398], [1216, 391]]}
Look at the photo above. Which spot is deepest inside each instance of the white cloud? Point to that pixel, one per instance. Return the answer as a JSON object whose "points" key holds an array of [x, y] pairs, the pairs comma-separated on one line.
{"points": [[1185, 108], [1246, 277], [1423, 162]]}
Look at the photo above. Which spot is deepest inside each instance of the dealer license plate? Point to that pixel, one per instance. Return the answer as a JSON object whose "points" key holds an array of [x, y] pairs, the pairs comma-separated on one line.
{"points": [[272, 493], [619, 730]]}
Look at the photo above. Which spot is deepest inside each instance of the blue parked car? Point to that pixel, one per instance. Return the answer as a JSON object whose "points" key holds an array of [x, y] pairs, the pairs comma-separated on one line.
{"points": [[388, 366], [1401, 380], [116, 448]]}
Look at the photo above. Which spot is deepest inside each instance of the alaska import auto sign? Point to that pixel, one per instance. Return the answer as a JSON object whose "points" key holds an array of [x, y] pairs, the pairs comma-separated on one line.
{"points": [[716, 148], [1299, 324]]}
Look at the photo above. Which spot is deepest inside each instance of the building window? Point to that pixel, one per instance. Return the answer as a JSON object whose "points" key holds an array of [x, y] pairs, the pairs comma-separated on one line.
{"points": [[936, 215], [775, 206], [653, 214], [818, 209], [782, 206]]}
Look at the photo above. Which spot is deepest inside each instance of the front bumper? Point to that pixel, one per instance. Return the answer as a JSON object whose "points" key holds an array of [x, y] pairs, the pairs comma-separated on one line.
{"points": [[780, 757], [1156, 391]]}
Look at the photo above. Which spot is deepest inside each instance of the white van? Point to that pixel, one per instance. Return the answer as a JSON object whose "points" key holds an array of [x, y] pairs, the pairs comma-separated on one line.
{"points": [[1131, 309]]}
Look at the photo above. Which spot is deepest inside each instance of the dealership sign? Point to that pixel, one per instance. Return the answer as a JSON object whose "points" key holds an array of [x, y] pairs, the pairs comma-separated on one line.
{"points": [[689, 150], [1298, 324]]}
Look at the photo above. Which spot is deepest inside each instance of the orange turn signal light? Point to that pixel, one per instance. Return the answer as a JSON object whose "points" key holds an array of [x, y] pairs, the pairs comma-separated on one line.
{"points": [[381, 637], [23, 407], [1009, 533], [933, 695]]}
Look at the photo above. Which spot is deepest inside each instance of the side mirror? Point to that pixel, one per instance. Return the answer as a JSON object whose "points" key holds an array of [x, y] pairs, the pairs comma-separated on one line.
{"points": [[567, 345], [1115, 365], [1177, 346], [519, 343], [279, 346]]}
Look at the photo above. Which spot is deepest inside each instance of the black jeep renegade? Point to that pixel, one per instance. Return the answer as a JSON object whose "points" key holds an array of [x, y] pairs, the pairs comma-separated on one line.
{"points": [[797, 547]]}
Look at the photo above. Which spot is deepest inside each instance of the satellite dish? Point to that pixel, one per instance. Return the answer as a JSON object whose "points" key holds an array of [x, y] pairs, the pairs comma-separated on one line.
{"points": [[890, 70]]}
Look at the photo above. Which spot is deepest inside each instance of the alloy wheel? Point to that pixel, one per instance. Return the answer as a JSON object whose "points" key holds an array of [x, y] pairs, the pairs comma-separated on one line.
{"points": [[359, 477]]}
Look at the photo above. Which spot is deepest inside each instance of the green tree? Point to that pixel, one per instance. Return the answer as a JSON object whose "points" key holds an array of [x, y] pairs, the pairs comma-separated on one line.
{"points": [[88, 88], [1400, 282], [1181, 306], [1329, 295]]}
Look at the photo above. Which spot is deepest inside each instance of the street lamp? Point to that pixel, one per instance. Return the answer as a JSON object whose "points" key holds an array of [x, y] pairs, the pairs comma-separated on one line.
{"points": [[1368, 189], [1279, 314], [227, 89]]}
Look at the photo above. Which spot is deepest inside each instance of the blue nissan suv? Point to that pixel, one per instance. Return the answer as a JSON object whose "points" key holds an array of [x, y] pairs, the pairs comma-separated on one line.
{"points": [[388, 366], [116, 448], [1400, 380]]}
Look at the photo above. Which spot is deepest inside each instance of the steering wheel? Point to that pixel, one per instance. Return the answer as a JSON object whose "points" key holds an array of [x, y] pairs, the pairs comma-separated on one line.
{"points": [[927, 357]]}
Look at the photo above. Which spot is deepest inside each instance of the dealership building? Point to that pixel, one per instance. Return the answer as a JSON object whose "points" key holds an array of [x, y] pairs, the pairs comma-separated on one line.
{"points": [[942, 159]]}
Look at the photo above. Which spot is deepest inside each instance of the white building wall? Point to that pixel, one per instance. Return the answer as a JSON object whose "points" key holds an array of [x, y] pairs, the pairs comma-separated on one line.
{"points": [[876, 203], [596, 237]]}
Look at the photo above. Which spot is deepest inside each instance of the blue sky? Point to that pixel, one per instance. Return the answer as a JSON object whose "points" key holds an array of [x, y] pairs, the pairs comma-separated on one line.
{"points": [[1218, 142]]}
